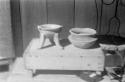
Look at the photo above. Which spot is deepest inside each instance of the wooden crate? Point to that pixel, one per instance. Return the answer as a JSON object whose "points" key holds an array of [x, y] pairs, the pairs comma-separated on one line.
{"points": [[69, 58]]}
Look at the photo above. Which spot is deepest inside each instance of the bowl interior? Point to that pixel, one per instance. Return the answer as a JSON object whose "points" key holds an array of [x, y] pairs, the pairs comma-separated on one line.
{"points": [[50, 26], [82, 31]]}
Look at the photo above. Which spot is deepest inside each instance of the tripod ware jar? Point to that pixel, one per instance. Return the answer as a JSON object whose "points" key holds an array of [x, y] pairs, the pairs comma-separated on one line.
{"points": [[51, 32]]}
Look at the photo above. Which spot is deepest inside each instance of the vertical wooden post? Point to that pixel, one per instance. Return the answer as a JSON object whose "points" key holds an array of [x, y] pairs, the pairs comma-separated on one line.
{"points": [[6, 39]]}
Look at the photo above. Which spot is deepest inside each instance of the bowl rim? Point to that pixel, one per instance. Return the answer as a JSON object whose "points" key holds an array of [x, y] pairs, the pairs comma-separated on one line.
{"points": [[50, 26], [93, 31]]}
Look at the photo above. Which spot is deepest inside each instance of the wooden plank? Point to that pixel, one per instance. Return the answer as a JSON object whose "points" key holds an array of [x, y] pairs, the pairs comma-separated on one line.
{"points": [[98, 9], [71, 63], [16, 27], [121, 12], [33, 13], [93, 63], [86, 14], [6, 40], [69, 58], [107, 22], [61, 12]]}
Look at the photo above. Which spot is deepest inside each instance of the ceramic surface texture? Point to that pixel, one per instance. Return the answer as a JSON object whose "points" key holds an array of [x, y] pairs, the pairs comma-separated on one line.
{"points": [[85, 42]]}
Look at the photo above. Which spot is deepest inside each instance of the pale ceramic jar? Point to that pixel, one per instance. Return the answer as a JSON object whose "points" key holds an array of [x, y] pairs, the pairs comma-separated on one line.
{"points": [[51, 32], [82, 37]]}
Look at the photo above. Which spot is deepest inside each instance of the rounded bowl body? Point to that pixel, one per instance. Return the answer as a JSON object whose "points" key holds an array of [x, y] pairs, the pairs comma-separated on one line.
{"points": [[83, 43]]}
